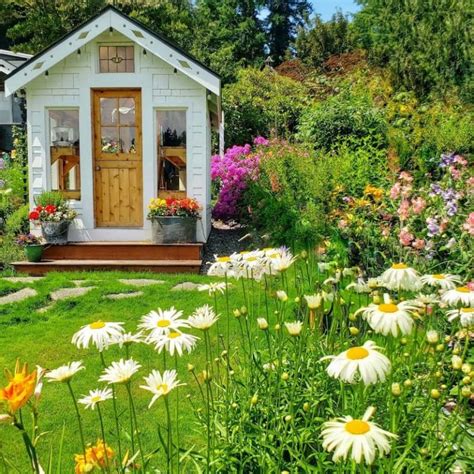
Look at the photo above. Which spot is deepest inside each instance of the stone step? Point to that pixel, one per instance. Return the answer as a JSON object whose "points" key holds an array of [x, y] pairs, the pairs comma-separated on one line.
{"points": [[74, 265], [123, 251]]}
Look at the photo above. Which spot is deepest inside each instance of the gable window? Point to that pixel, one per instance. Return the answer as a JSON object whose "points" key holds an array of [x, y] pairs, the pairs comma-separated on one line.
{"points": [[116, 59]]}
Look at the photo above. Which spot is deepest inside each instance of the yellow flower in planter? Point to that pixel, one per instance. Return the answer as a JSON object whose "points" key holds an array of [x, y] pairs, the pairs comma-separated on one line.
{"points": [[20, 388]]}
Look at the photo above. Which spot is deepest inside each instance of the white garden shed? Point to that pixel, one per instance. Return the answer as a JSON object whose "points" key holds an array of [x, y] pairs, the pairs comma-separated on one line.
{"points": [[117, 115]]}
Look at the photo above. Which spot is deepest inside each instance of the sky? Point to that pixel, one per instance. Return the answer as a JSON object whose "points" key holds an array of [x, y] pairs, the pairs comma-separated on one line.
{"points": [[326, 8]]}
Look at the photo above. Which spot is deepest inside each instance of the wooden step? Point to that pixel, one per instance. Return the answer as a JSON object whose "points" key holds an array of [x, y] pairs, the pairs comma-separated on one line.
{"points": [[123, 251], [72, 265]]}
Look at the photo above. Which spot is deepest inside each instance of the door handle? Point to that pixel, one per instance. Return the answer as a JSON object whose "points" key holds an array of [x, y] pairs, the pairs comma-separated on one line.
{"points": [[97, 168]]}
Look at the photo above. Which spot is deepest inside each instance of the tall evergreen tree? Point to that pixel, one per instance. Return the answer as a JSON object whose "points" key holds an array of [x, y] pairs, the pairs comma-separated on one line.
{"points": [[283, 20], [229, 35]]}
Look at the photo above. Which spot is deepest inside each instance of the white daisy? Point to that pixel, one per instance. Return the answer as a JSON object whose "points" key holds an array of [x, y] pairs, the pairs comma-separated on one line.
{"points": [[281, 295], [313, 301], [359, 439], [445, 281], [95, 397], [461, 295], [213, 288], [359, 286], [65, 372], [128, 338], [100, 333], [262, 323], [389, 318], [173, 341], [400, 277], [359, 363], [283, 261], [294, 328], [203, 318], [423, 300], [160, 384], [220, 267], [465, 315], [120, 372], [162, 321]]}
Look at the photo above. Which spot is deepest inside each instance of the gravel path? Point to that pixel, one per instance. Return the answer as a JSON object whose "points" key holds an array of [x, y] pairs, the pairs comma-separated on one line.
{"points": [[224, 239]]}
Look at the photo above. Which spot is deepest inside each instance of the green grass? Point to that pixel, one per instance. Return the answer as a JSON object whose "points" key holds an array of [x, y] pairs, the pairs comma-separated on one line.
{"points": [[44, 339]]}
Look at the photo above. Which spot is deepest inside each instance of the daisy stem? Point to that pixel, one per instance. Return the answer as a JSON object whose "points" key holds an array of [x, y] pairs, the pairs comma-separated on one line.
{"points": [[102, 430], [79, 420], [169, 434], [30, 449], [177, 412], [133, 414], [114, 403]]}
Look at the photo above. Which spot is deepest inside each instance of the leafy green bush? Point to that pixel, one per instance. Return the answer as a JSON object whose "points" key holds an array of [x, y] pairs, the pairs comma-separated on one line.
{"points": [[344, 118], [262, 103], [17, 222], [52, 198]]}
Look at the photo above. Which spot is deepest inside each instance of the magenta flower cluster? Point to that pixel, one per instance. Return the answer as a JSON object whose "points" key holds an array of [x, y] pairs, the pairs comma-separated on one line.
{"points": [[231, 174]]}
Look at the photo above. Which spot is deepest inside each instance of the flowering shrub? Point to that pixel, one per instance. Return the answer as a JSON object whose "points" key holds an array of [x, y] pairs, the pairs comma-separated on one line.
{"points": [[429, 220], [52, 213], [168, 207], [231, 173]]}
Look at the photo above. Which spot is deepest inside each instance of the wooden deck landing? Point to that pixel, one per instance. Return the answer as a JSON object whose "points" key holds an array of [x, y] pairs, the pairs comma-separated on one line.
{"points": [[126, 256]]}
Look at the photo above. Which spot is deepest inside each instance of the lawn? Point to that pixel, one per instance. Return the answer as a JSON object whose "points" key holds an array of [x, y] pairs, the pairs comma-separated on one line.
{"points": [[45, 340]]}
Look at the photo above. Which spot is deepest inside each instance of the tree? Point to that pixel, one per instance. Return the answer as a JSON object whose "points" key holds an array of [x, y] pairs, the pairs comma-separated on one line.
{"points": [[427, 44], [283, 20], [324, 39], [229, 35]]}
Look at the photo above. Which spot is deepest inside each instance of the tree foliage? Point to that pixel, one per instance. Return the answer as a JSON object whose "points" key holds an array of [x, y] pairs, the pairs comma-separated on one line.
{"points": [[283, 20], [427, 44], [324, 39]]}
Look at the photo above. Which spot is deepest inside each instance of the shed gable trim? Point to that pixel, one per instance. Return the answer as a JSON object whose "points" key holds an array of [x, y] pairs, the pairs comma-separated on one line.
{"points": [[110, 17]]}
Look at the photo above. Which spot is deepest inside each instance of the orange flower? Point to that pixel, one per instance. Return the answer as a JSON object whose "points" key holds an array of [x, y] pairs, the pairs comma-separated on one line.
{"points": [[20, 388], [96, 456]]}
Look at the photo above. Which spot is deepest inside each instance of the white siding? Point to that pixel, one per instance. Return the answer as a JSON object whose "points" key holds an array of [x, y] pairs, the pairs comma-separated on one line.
{"points": [[69, 84]]}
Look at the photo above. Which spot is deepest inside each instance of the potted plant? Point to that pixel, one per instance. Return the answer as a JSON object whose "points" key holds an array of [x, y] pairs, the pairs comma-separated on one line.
{"points": [[54, 215], [32, 246], [173, 220]]}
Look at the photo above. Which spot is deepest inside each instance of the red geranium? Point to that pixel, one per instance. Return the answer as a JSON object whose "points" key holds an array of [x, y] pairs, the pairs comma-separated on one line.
{"points": [[50, 209], [33, 215], [39, 208]]}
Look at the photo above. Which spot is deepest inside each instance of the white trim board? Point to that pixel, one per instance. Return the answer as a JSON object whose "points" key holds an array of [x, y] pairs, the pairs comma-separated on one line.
{"points": [[110, 18]]}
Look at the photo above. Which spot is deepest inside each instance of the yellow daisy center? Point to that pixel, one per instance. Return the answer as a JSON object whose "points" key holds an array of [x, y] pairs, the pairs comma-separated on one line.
{"points": [[97, 325], [163, 323], [251, 259], [439, 276], [388, 308], [244, 252], [223, 259], [463, 289], [96, 399], [163, 387], [467, 310], [173, 335], [357, 427], [399, 266], [357, 353]]}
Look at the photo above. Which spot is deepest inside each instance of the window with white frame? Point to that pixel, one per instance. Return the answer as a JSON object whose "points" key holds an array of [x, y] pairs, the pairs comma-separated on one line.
{"points": [[116, 58]]}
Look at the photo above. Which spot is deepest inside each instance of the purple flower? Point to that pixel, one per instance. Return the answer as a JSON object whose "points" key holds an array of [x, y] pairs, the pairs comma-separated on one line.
{"points": [[433, 226], [447, 160], [260, 141]]}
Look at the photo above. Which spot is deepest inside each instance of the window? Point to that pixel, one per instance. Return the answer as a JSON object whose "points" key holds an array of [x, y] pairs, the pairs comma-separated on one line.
{"points": [[116, 59], [171, 153], [64, 152], [117, 124]]}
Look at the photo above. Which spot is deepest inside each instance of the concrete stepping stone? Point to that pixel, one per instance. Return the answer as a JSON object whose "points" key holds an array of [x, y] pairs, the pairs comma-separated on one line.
{"points": [[28, 279], [121, 296], [17, 296], [44, 309], [66, 293], [82, 282], [140, 281], [186, 286]]}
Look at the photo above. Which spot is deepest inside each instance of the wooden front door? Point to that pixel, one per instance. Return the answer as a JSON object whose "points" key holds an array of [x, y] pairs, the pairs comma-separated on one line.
{"points": [[118, 177]]}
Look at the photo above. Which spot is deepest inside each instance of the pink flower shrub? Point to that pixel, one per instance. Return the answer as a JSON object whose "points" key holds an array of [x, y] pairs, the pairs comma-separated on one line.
{"points": [[469, 224], [418, 205], [231, 173], [405, 237]]}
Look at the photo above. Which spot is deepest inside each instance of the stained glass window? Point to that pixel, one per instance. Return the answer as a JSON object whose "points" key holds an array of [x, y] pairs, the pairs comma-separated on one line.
{"points": [[116, 59]]}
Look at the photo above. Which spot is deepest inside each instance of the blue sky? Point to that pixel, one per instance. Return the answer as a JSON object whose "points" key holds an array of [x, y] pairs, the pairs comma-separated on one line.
{"points": [[326, 8]]}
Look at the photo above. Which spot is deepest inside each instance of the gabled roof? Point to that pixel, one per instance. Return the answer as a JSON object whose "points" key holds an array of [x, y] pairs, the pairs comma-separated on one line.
{"points": [[9, 60], [111, 17]]}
